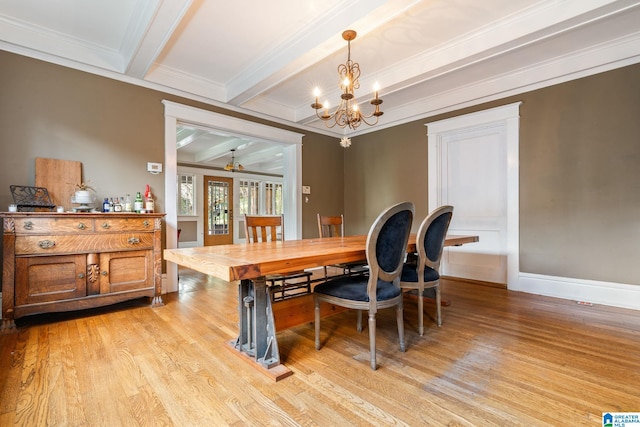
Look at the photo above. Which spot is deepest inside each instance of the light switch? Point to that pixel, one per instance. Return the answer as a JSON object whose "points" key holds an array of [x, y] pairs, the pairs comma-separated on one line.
{"points": [[306, 189]]}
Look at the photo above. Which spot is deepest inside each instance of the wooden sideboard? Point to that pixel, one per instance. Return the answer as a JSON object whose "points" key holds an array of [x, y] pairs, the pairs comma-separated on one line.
{"points": [[71, 261]]}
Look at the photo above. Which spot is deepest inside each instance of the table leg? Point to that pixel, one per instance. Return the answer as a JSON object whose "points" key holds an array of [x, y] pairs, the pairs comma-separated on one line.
{"points": [[257, 334]]}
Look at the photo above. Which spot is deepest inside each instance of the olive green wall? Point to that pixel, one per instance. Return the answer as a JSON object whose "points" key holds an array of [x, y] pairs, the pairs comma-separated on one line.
{"points": [[322, 165], [114, 129], [383, 168], [579, 176], [579, 151]]}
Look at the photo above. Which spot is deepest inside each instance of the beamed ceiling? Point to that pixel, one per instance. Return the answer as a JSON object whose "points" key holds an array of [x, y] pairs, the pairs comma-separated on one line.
{"points": [[264, 58]]}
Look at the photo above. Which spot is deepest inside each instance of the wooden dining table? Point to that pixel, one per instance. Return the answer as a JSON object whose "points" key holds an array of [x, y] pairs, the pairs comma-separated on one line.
{"points": [[249, 264]]}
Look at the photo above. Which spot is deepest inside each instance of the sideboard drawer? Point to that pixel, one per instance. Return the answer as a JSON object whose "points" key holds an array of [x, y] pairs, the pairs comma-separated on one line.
{"points": [[107, 224], [53, 225], [66, 244]]}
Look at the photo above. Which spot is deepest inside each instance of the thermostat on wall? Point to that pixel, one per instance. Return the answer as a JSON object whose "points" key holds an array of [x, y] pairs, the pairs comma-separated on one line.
{"points": [[154, 167]]}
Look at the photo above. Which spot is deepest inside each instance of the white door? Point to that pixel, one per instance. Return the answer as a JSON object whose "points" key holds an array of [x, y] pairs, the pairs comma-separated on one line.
{"points": [[469, 169]]}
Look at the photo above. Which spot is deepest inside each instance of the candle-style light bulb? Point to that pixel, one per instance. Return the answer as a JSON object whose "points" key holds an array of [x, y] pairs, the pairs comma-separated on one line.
{"points": [[376, 88]]}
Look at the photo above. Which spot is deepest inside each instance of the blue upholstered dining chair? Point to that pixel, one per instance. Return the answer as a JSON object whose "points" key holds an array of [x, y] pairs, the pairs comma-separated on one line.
{"points": [[425, 274], [386, 248]]}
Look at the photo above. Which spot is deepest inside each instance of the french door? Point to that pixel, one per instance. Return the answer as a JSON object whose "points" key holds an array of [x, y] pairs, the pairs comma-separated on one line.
{"points": [[218, 210]]}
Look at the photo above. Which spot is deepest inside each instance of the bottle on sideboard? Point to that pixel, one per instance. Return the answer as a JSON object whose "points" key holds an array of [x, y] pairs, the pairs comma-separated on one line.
{"points": [[138, 204], [105, 205], [128, 207], [148, 198]]}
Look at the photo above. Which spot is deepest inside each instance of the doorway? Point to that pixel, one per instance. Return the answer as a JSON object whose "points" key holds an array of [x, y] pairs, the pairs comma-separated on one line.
{"points": [[218, 210], [292, 142], [473, 165]]}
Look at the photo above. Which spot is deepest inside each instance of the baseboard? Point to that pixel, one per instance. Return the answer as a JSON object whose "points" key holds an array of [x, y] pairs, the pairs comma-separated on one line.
{"points": [[589, 291]]}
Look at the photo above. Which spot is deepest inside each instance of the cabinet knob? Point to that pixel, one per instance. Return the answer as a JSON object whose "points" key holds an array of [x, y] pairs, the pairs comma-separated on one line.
{"points": [[46, 244], [28, 225], [134, 240], [81, 276], [105, 225], [104, 273], [146, 223], [81, 226]]}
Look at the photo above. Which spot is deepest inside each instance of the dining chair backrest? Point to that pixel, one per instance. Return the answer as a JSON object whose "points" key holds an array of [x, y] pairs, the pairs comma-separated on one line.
{"points": [[330, 226], [263, 228], [431, 236], [387, 244]]}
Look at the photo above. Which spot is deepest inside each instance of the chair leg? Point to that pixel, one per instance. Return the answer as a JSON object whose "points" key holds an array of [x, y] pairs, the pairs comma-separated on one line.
{"points": [[400, 317], [359, 322], [317, 322], [421, 310], [372, 339], [438, 306]]}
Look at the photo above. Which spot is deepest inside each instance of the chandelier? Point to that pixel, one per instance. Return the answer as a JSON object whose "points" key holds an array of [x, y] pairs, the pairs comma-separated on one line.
{"points": [[348, 113], [233, 166]]}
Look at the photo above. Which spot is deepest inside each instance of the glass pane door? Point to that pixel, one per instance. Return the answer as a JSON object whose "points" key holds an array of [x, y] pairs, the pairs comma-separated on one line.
{"points": [[218, 215]]}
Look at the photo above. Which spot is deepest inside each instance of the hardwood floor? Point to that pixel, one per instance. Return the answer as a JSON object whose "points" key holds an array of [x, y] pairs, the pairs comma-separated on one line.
{"points": [[500, 358]]}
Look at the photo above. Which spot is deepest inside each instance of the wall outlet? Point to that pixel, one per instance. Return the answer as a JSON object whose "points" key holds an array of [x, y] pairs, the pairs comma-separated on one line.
{"points": [[306, 189]]}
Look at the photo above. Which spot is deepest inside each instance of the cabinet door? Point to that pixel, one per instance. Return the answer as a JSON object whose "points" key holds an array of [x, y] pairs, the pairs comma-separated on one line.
{"points": [[52, 278], [126, 271]]}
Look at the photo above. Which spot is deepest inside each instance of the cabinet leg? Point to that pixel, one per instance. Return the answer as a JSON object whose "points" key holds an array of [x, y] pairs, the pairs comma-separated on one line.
{"points": [[8, 326], [157, 301]]}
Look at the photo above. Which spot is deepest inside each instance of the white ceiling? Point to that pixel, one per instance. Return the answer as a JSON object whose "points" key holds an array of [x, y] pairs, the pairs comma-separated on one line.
{"points": [[264, 58]]}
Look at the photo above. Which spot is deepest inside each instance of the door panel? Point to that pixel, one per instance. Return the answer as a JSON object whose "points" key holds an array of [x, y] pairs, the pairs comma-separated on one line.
{"points": [[126, 271], [474, 170], [218, 211], [51, 278]]}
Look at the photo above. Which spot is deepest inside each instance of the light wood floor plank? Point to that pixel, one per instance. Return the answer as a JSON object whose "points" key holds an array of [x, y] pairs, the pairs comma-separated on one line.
{"points": [[500, 358]]}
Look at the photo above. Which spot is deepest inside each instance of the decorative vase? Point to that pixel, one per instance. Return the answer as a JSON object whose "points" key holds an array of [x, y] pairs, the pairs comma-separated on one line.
{"points": [[83, 197]]}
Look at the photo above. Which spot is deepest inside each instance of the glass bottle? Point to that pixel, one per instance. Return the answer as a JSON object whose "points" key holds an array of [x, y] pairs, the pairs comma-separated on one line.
{"points": [[148, 197], [138, 204], [127, 204]]}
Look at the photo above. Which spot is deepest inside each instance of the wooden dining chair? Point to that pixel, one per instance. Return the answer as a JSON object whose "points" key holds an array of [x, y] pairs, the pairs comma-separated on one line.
{"points": [[386, 248], [270, 228], [333, 226], [425, 274]]}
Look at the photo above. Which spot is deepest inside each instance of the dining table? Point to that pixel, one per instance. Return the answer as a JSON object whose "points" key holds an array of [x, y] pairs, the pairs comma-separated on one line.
{"points": [[248, 265]]}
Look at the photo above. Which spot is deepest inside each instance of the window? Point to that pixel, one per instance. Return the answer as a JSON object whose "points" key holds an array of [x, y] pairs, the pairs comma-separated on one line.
{"points": [[261, 198], [273, 198], [249, 197], [186, 195]]}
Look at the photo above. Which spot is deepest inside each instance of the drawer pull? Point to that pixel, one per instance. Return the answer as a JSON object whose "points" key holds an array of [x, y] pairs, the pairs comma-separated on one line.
{"points": [[81, 226], [104, 273], [81, 276], [46, 244], [105, 225], [28, 225], [134, 240], [146, 223]]}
